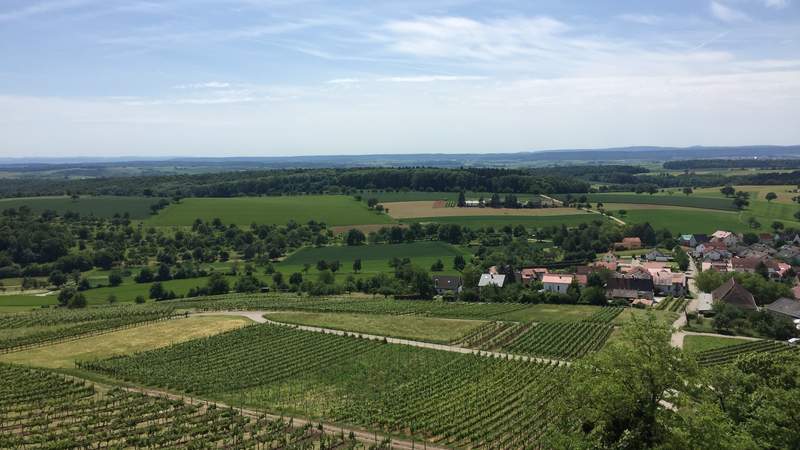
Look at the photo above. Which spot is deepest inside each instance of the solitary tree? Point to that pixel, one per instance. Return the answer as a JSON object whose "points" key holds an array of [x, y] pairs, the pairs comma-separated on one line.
{"points": [[438, 266], [687, 190], [357, 265], [459, 263], [728, 191], [462, 201], [771, 196]]}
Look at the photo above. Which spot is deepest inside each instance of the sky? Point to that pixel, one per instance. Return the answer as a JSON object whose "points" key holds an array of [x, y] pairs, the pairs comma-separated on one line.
{"points": [[306, 77]]}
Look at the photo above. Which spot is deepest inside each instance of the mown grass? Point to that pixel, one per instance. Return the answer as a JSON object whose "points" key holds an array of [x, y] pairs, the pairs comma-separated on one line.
{"points": [[687, 220], [429, 329], [333, 210], [550, 313], [124, 342], [137, 207], [697, 344]]}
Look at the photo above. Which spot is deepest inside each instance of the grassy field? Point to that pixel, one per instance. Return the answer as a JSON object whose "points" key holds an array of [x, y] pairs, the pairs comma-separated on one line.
{"points": [[687, 220], [374, 258], [330, 209], [501, 221], [137, 207], [413, 196], [125, 342], [550, 313], [697, 344], [692, 201], [429, 329]]}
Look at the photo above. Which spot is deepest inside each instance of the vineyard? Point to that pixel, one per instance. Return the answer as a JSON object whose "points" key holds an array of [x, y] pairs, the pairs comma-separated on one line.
{"points": [[42, 410], [21, 331], [455, 399], [729, 354], [348, 305], [605, 315], [566, 340], [672, 304]]}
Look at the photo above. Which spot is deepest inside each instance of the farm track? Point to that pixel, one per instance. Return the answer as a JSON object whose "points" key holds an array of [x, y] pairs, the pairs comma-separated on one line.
{"points": [[362, 435], [258, 317]]}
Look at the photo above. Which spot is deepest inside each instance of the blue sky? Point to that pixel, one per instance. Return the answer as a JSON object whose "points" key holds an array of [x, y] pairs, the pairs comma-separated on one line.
{"points": [[280, 77]]}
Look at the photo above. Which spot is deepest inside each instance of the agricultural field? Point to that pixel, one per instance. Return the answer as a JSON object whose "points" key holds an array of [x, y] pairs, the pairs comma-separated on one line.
{"points": [[446, 398], [687, 220], [563, 340], [551, 313], [677, 199], [498, 222], [45, 410], [19, 331], [137, 207], [333, 210], [729, 353], [419, 328], [411, 210], [374, 258], [417, 196], [63, 355]]}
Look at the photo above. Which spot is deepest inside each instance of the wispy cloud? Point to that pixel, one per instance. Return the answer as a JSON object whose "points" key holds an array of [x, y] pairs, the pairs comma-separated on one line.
{"points": [[644, 19], [726, 13], [776, 4], [206, 85], [344, 81], [432, 78], [40, 8]]}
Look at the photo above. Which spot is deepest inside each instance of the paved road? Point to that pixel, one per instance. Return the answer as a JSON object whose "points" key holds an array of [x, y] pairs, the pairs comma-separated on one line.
{"points": [[258, 316], [677, 327]]}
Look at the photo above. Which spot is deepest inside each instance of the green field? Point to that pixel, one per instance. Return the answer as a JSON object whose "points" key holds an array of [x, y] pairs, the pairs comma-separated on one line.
{"points": [[137, 207], [550, 313], [333, 210], [697, 344], [413, 196], [374, 258], [687, 220], [691, 201], [501, 221], [429, 329]]}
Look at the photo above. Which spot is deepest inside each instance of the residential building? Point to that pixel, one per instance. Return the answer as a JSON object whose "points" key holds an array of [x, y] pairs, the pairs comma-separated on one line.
{"points": [[667, 282], [687, 240], [726, 237], [734, 294], [656, 255], [529, 274], [785, 307], [446, 284], [628, 243], [492, 279], [557, 283]]}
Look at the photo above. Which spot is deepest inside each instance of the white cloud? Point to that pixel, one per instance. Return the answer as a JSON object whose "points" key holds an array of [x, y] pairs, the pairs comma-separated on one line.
{"points": [[726, 13], [644, 19], [206, 85], [40, 8], [776, 4], [344, 81], [432, 78]]}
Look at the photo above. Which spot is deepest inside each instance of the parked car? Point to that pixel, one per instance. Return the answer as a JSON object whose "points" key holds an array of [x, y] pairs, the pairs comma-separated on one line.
{"points": [[793, 341]]}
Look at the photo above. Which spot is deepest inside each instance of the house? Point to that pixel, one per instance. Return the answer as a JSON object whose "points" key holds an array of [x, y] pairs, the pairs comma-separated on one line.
{"points": [[582, 279], [557, 283], [788, 253], [529, 274], [472, 203], [705, 304], [687, 240], [747, 265], [726, 237], [766, 238], [701, 238], [656, 255], [791, 238], [669, 283], [638, 280], [628, 243], [491, 279], [608, 265], [445, 284], [717, 266], [734, 294], [785, 307]]}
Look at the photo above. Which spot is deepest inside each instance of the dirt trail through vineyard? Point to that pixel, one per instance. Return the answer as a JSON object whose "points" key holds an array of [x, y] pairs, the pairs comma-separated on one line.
{"points": [[258, 317]]}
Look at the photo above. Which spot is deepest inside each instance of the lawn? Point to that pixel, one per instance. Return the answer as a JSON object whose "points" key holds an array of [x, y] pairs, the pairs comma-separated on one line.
{"points": [[697, 344], [125, 342], [408, 327], [687, 220], [550, 313], [374, 258], [137, 207], [501, 221], [331, 209]]}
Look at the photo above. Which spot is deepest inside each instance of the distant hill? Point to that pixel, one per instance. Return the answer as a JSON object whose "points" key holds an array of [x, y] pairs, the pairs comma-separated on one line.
{"points": [[520, 159]]}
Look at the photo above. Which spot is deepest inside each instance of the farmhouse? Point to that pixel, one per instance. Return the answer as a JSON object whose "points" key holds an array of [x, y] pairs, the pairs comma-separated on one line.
{"points": [[445, 284], [656, 255], [669, 283], [726, 237], [473, 203], [734, 294], [687, 240], [557, 283], [491, 279], [785, 307], [529, 274]]}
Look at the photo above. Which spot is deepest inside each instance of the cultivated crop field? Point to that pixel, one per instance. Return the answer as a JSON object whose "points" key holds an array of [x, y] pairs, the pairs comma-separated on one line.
{"points": [[729, 353], [42, 410], [448, 398], [692, 201], [333, 210], [137, 207], [410, 210], [687, 220], [498, 222]]}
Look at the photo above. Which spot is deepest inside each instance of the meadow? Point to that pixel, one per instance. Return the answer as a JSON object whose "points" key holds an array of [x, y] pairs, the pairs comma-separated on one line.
{"points": [[409, 210], [498, 222], [333, 210], [686, 220], [677, 199], [374, 258], [137, 207]]}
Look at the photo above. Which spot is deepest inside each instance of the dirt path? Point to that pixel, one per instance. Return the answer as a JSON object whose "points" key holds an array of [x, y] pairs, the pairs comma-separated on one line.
{"points": [[554, 200], [615, 219], [677, 327], [258, 316], [298, 422]]}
